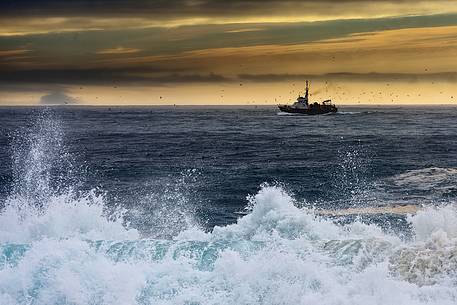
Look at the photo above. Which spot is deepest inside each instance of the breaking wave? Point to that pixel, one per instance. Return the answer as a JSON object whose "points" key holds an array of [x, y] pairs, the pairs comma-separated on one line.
{"points": [[278, 254]]}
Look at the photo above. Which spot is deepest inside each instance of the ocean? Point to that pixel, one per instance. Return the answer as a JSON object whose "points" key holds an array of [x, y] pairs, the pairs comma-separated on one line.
{"points": [[228, 205]]}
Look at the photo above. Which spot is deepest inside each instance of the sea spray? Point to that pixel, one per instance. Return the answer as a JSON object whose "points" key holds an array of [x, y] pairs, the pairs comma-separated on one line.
{"points": [[167, 207], [42, 164]]}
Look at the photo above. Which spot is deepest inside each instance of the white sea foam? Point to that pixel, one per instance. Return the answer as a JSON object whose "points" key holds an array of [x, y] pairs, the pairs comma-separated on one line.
{"points": [[432, 179], [63, 217], [288, 114], [433, 257], [277, 254], [433, 220], [348, 112]]}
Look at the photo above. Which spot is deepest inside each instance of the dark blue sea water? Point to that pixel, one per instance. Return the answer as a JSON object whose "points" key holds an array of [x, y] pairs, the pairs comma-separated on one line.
{"points": [[227, 205]]}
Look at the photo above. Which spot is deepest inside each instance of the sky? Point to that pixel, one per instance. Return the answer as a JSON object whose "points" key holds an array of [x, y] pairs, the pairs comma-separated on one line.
{"points": [[184, 52]]}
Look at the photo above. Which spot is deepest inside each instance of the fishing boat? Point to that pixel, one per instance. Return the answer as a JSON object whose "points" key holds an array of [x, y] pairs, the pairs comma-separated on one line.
{"points": [[303, 106]]}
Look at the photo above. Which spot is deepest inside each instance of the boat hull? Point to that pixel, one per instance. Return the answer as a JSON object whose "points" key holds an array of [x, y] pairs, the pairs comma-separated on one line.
{"points": [[308, 111]]}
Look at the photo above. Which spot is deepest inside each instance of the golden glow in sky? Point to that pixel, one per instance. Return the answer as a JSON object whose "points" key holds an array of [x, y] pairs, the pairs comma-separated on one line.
{"points": [[227, 52]]}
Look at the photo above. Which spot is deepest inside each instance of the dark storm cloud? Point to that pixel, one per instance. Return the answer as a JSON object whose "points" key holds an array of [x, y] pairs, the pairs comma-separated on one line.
{"points": [[186, 38], [156, 54], [82, 47], [174, 7], [76, 76], [105, 77], [50, 78]]}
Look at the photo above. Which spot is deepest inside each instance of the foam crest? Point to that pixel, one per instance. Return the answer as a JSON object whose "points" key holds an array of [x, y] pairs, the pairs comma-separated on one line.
{"points": [[274, 212], [432, 220], [63, 217]]}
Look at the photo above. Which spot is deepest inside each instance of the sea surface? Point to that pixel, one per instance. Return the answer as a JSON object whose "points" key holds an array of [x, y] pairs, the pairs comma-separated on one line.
{"points": [[228, 205]]}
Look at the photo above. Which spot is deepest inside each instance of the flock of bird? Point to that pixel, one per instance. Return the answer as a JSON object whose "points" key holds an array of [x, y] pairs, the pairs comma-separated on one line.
{"points": [[337, 91]]}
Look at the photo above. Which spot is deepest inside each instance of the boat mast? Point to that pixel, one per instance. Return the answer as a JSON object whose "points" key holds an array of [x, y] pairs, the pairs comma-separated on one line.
{"points": [[306, 93]]}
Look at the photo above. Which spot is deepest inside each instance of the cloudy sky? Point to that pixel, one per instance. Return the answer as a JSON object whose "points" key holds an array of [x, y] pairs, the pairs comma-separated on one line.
{"points": [[227, 52]]}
